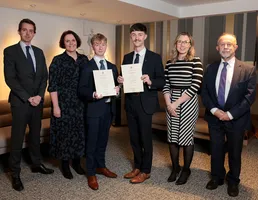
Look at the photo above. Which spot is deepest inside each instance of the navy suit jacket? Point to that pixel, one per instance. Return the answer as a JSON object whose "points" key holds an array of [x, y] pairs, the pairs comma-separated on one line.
{"points": [[20, 77], [240, 98], [94, 107], [152, 65]]}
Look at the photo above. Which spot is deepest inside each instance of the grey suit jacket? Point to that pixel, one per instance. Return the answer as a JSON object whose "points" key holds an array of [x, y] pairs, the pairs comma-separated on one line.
{"points": [[20, 77]]}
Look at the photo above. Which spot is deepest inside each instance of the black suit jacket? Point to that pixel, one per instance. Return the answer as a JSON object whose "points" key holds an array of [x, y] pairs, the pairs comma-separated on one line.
{"points": [[152, 65], [20, 77], [94, 107], [240, 98]]}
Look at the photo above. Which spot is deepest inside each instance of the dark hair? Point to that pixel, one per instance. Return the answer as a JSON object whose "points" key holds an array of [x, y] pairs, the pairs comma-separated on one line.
{"points": [[27, 21], [138, 27], [98, 37], [77, 38]]}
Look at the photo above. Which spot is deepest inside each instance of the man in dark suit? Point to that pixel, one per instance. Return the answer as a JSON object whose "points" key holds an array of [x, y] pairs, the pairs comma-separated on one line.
{"points": [[141, 106], [26, 75], [228, 92], [99, 112]]}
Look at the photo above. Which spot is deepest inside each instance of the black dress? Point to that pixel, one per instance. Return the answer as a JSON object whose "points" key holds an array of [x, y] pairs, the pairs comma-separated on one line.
{"points": [[67, 138]]}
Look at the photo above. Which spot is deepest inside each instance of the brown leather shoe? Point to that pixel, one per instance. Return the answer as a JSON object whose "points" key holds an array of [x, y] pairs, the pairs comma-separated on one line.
{"points": [[106, 172], [132, 174], [92, 182], [140, 178]]}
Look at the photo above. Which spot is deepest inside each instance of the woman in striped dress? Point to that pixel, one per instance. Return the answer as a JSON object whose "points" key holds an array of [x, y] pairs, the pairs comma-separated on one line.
{"points": [[183, 75]]}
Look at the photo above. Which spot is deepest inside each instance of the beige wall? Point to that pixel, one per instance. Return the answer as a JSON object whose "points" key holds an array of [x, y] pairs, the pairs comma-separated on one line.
{"points": [[49, 30]]}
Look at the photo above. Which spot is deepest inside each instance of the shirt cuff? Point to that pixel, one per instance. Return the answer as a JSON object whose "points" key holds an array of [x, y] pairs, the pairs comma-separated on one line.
{"points": [[230, 116], [213, 110]]}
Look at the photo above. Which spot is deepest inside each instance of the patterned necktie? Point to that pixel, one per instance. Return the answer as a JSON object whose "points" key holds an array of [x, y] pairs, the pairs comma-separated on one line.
{"points": [[102, 66], [136, 60], [29, 58], [222, 85]]}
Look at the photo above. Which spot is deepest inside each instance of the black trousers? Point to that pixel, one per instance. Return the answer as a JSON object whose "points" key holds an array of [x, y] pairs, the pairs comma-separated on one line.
{"points": [[24, 115], [234, 146], [139, 124], [97, 132]]}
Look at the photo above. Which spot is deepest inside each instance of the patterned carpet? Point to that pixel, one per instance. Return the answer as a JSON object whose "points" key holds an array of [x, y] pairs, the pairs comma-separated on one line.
{"points": [[119, 159]]}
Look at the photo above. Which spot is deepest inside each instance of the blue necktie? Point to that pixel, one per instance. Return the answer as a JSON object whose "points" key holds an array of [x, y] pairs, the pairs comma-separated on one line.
{"points": [[29, 58], [136, 60], [222, 85], [102, 66]]}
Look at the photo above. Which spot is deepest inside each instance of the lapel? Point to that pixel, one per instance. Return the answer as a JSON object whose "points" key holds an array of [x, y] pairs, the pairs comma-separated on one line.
{"points": [[215, 68], [109, 66], [145, 61], [20, 51], [94, 64], [236, 76], [22, 56], [36, 54], [130, 58]]}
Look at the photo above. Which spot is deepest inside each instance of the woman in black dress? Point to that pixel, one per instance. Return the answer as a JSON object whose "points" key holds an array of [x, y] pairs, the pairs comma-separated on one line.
{"points": [[67, 137]]}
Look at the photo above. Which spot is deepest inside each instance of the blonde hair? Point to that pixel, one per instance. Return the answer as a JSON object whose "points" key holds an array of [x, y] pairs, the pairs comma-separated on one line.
{"points": [[191, 52], [98, 37]]}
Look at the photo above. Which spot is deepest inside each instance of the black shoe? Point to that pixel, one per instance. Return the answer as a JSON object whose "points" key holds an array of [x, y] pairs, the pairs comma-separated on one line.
{"points": [[233, 190], [67, 173], [174, 174], [213, 184], [42, 169], [183, 177], [77, 167], [17, 184]]}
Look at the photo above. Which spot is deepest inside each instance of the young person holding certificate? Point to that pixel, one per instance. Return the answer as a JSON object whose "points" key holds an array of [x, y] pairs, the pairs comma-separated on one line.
{"points": [[141, 106], [99, 112]]}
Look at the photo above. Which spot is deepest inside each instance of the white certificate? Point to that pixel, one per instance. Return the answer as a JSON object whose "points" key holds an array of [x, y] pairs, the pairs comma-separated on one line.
{"points": [[104, 82], [132, 78]]}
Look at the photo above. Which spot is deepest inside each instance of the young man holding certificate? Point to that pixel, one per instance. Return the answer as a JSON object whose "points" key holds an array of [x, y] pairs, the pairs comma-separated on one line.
{"points": [[99, 108], [140, 106]]}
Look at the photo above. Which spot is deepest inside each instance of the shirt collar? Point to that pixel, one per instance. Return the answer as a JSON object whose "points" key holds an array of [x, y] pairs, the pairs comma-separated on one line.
{"points": [[23, 45], [231, 62], [141, 53], [97, 59]]}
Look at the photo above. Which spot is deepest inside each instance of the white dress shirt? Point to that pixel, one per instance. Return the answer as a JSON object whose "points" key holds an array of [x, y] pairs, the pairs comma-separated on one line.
{"points": [[23, 46], [142, 55], [97, 59], [230, 71]]}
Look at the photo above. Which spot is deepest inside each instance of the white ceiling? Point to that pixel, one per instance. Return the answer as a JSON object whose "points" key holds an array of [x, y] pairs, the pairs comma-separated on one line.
{"points": [[192, 2], [131, 11]]}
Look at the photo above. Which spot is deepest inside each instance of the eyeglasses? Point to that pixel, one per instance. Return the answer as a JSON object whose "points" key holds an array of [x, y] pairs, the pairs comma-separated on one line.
{"points": [[182, 42], [226, 44]]}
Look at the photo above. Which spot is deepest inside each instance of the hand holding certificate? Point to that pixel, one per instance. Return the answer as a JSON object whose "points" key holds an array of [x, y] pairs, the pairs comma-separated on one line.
{"points": [[132, 78], [104, 82]]}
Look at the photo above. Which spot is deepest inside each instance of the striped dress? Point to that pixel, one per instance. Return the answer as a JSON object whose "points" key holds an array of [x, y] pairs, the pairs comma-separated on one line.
{"points": [[183, 77]]}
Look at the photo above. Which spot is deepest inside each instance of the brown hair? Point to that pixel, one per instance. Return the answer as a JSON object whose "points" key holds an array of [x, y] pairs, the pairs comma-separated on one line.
{"points": [[138, 27], [77, 38], [27, 21], [191, 52]]}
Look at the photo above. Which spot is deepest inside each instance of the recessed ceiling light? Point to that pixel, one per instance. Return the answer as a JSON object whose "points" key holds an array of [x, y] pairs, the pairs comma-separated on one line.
{"points": [[82, 14]]}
